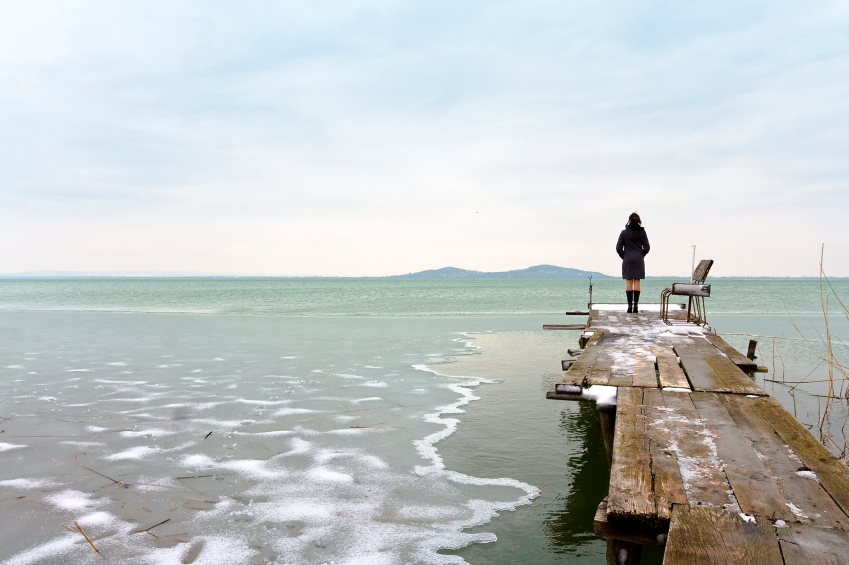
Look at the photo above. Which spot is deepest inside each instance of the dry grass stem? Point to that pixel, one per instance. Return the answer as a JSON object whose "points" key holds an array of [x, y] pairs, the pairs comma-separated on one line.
{"points": [[88, 539]]}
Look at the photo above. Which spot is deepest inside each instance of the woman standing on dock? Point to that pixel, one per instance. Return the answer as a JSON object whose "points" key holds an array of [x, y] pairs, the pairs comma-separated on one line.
{"points": [[632, 247]]}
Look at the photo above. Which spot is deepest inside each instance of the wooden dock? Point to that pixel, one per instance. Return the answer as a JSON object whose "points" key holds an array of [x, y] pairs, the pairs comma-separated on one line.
{"points": [[702, 461]]}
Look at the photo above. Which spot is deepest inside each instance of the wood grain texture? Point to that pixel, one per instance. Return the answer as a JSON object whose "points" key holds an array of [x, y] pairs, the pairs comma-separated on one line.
{"points": [[582, 365], [645, 375], [668, 487], [602, 528], [755, 489], [710, 536], [743, 363], [812, 502], [807, 545], [630, 501], [669, 372], [734, 380], [701, 375], [701, 470], [832, 475], [601, 371]]}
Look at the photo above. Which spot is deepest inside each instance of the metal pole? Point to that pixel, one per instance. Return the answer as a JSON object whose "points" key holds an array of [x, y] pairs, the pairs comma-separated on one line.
{"points": [[693, 268]]}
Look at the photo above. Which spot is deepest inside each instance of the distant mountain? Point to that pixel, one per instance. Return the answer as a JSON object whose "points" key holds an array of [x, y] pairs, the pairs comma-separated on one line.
{"points": [[540, 272]]}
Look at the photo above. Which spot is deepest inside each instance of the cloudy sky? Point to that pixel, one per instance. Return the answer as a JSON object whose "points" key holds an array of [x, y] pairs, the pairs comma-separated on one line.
{"points": [[374, 137]]}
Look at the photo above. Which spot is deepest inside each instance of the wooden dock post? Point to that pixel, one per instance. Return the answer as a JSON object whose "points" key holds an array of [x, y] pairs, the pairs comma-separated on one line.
{"points": [[607, 418], [751, 352], [620, 552]]}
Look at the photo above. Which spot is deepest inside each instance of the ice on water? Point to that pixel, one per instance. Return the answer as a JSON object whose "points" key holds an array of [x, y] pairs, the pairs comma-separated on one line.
{"points": [[323, 451]]}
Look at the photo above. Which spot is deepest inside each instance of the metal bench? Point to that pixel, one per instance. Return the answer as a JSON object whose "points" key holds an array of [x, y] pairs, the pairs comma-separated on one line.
{"points": [[695, 291]]}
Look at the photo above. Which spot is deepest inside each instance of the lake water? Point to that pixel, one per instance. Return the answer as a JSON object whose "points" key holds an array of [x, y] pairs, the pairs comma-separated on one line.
{"points": [[329, 421]]}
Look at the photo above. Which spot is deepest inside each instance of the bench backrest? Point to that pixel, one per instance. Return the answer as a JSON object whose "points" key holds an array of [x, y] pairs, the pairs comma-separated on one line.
{"points": [[702, 270]]}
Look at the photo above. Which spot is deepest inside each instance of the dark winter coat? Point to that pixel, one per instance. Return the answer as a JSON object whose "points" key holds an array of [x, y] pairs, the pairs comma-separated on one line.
{"points": [[632, 246]]}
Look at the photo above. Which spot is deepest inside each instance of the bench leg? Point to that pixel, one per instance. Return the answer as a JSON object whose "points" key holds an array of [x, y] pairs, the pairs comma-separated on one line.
{"points": [[664, 306]]}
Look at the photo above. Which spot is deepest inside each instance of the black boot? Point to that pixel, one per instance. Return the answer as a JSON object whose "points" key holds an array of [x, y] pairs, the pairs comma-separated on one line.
{"points": [[636, 300], [630, 295]]}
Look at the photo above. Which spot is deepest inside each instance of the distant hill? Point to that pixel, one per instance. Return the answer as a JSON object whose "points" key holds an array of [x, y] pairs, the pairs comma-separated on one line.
{"points": [[540, 272]]}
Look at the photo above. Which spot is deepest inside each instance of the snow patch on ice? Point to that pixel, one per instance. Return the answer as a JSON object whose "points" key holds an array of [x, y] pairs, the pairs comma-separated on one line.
{"points": [[375, 384], [153, 432], [10, 446], [134, 453], [73, 500], [26, 484], [293, 411]]}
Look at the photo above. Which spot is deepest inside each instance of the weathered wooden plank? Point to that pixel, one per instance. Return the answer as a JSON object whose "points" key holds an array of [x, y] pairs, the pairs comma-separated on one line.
{"points": [[743, 363], [568, 382], [630, 501], [645, 374], [711, 536], [735, 380], [583, 363], [755, 489], [554, 394], [811, 503], [701, 375], [668, 487], [806, 545], [576, 374], [701, 469], [832, 475], [670, 373], [600, 373], [603, 529], [564, 326], [618, 377]]}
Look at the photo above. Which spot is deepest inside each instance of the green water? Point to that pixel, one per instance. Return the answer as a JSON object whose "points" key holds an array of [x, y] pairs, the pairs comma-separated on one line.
{"points": [[333, 297], [307, 329]]}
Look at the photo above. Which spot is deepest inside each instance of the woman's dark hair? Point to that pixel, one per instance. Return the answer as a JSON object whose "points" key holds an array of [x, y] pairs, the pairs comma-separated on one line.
{"points": [[634, 217]]}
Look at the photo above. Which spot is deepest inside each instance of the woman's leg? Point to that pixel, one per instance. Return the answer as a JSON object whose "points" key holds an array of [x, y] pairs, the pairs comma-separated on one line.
{"points": [[636, 294], [629, 292]]}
